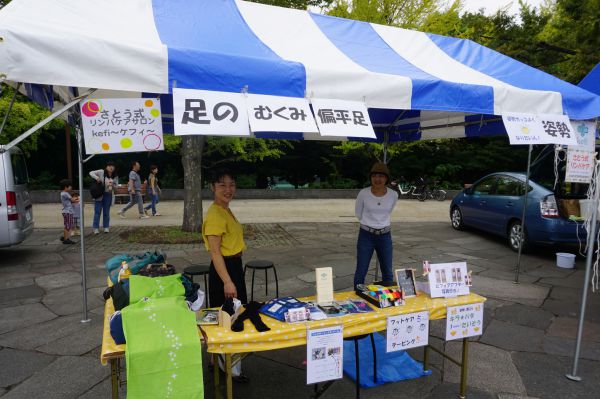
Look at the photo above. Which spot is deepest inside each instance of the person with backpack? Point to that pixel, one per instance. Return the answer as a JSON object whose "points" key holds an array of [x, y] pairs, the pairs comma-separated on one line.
{"points": [[153, 190], [103, 191]]}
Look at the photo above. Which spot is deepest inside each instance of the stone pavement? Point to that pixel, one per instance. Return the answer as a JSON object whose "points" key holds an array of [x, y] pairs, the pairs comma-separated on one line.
{"points": [[526, 348]]}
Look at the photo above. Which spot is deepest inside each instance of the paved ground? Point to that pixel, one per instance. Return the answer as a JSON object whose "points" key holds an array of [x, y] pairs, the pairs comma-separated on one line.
{"points": [[524, 352]]}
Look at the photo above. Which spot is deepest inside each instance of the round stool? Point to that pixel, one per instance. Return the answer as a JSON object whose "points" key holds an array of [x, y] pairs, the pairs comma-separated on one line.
{"points": [[199, 270], [262, 265]]}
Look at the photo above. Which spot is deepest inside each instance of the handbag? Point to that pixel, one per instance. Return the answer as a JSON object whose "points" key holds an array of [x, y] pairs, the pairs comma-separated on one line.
{"points": [[96, 190]]}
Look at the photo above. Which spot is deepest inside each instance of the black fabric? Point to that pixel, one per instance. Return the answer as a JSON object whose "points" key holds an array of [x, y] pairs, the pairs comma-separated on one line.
{"points": [[120, 294], [96, 189], [251, 313], [157, 270], [228, 307], [215, 284]]}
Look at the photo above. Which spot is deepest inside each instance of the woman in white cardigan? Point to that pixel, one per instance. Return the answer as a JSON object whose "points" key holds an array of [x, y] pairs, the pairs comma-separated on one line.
{"points": [[109, 180]]}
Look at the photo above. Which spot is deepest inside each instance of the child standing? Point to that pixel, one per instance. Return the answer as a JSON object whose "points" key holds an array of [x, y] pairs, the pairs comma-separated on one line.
{"points": [[153, 190], [76, 210], [67, 210]]}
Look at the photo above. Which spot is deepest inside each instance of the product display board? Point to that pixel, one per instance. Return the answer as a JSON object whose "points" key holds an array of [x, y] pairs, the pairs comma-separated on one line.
{"points": [[117, 125], [464, 321], [406, 281], [407, 331], [324, 354], [448, 279]]}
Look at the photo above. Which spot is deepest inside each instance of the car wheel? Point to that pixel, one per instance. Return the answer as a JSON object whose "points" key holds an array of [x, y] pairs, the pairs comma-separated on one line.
{"points": [[514, 237], [457, 219]]}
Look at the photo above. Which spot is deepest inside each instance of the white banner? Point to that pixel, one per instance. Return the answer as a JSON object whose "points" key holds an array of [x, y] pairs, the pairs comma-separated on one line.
{"points": [[280, 114], [209, 113], [464, 321], [324, 354], [448, 280], [115, 125], [539, 129], [580, 166], [342, 118], [585, 132], [407, 331]]}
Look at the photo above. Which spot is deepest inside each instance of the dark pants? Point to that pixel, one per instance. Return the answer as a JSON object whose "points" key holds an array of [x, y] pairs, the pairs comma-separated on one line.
{"points": [[152, 205], [366, 244], [102, 206], [216, 287]]}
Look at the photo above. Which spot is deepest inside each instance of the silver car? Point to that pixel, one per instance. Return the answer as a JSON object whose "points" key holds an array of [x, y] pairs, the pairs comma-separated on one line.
{"points": [[16, 216]]}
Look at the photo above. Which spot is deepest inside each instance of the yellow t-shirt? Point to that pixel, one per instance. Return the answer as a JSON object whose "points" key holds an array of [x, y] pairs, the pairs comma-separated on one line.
{"points": [[219, 222]]}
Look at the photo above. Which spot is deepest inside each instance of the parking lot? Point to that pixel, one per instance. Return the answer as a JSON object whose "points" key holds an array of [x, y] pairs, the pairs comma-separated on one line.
{"points": [[526, 348]]}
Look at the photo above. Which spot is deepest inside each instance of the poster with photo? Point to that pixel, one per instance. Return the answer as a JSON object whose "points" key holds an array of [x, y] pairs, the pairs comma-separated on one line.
{"points": [[324, 354]]}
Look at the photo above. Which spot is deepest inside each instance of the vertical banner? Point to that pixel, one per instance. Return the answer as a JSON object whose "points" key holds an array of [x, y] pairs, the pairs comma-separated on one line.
{"points": [[539, 129], [585, 133], [580, 166], [342, 118], [324, 354], [280, 114], [209, 113], [117, 125], [464, 321], [407, 331]]}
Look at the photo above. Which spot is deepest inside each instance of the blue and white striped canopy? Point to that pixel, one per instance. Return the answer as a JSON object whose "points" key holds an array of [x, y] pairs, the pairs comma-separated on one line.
{"points": [[418, 84]]}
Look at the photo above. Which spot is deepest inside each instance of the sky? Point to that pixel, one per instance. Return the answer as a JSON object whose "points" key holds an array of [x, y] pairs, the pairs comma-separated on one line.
{"points": [[491, 6]]}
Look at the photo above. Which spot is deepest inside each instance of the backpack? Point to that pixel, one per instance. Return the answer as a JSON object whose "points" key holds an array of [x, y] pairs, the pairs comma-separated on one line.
{"points": [[96, 190]]}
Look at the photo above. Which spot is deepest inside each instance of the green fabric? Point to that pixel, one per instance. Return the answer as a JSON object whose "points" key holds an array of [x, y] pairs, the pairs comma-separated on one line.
{"points": [[155, 287], [163, 354]]}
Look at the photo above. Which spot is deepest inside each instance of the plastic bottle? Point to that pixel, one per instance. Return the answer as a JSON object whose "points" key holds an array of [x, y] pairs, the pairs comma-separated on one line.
{"points": [[124, 273]]}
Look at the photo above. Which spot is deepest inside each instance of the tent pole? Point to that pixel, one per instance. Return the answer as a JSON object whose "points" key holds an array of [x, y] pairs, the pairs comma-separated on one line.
{"points": [[42, 123], [521, 239], [79, 131], [12, 101], [588, 267], [386, 138]]}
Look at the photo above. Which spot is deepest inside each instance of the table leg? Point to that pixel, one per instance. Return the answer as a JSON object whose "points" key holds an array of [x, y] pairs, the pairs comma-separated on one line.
{"points": [[114, 378], [464, 366], [228, 376], [216, 372], [426, 358]]}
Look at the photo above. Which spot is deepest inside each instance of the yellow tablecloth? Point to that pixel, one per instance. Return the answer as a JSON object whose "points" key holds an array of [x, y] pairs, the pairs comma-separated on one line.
{"points": [[284, 335], [110, 350]]}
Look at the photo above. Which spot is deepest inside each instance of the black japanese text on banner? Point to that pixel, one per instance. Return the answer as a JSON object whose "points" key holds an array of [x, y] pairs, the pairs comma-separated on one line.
{"points": [[209, 113], [279, 114], [114, 125], [539, 129], [342, 118]]}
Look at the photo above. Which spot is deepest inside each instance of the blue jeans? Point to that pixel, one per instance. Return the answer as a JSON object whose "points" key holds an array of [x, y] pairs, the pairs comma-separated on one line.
{"points": [[152, 205], [102, 205], [366, 244]]}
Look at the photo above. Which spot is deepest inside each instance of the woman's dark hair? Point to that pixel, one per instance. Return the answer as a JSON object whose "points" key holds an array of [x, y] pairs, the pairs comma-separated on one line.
{"points": [[110, 163], [133, 164], [64, 183], [152, 167], [218, 175]]}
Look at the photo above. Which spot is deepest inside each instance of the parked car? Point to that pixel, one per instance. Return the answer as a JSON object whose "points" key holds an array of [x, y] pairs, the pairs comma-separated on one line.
{"points": [[495, 204], [16, 215]]}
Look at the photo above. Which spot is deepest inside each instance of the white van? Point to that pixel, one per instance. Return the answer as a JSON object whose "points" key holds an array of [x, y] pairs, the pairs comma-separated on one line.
{"points": [[16, 216]]}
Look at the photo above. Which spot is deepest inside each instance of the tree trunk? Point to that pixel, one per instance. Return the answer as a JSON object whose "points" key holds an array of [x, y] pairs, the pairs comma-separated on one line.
{"points": [[191, 158]]}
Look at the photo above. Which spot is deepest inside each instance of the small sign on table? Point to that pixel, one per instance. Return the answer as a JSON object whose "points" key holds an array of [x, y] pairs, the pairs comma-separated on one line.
{"points": [[407, 331], [464, 321], [324, 354], [448, 280]]}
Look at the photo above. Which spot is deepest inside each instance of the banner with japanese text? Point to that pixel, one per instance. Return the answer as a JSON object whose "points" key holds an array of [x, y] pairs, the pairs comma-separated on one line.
{"points": [[209, 113], [464, 321], [539, 129], [342, 118], [280, 114], [580, 166], [117, 125], [407, 331]]}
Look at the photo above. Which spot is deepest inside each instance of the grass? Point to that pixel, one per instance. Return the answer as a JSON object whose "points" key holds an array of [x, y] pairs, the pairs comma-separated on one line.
{"points": [[169, 235]]}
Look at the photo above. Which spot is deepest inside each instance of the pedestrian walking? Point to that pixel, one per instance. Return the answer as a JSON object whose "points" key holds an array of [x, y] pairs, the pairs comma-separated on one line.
{"points": [[153, 190], [109, 180], [134, 186], [67, 210]]}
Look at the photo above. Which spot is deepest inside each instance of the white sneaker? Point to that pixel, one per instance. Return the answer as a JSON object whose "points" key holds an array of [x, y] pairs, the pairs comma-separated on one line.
{"points": [[157, 214], [106, 230], [121, 215], [96, 231], [144, 217]]}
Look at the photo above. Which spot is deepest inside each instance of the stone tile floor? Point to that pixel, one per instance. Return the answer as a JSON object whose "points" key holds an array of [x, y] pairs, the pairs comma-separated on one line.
{"points": [[526, 348]]}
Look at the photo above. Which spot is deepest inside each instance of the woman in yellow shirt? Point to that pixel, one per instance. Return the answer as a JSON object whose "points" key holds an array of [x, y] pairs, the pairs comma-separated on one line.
{"points": [[224, 239]]}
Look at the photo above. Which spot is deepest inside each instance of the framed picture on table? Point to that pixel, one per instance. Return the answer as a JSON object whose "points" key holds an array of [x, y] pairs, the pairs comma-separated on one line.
{"points": [[406, 281]]}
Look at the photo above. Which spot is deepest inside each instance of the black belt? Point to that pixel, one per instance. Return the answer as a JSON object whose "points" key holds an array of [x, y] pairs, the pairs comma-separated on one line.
{"points": [[238, 255], [377, 232]]}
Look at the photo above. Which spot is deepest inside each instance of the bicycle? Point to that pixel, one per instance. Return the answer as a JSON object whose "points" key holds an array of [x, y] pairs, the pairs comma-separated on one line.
{"points": [[436, 193], [419, 191]]}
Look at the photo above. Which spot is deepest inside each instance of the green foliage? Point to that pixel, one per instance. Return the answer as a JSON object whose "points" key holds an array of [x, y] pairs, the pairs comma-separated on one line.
{"points": [[170, 178], [402, 13], [299, 4], [45, 181], [245, 181], [24, 115]]}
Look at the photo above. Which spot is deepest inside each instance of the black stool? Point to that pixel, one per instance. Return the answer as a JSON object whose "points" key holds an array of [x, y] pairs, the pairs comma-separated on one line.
{"points": [[199, 270], [262, 265], [356, 339]]}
